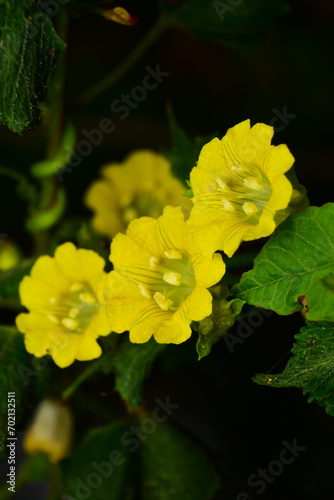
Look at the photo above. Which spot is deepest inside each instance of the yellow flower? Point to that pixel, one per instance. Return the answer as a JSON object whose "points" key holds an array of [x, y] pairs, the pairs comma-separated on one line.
{"points": [[141, 186], [9, 255], [64, 295], [160, 280], [120, 16], [240, 190], [50, 431]]}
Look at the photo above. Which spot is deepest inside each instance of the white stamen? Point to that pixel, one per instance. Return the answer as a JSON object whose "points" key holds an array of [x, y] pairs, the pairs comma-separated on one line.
{"points": [[227, 205], [70, 324], [172, 278], [250, 208], [153, 262], [87, 298], [173, 254], [144, 291], [53, 319], [211, 188], [253, 183], [237, 169], [73, 312], [222, 184], [76, 287], [162, 302], [129, 214]]}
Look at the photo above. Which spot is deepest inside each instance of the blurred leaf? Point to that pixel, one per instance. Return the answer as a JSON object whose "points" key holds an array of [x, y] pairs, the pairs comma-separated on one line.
{"points": [[239, 24], [130, 363], [212, 328], [29, 51], [47, 218], [100, 468], [10, 281], [184, 152], [138, 459], [51, 166], [174, 466], [12, 356], [288, 271], [312, 366]]}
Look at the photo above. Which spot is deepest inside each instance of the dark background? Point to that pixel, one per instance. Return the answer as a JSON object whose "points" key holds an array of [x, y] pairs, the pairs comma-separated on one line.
{"points": [[212, 88]]}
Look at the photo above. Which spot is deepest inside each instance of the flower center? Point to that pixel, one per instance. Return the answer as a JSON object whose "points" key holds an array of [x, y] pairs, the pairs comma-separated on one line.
{"points": [[75, 310], [143, 205], [244, 191], [168, 280]]}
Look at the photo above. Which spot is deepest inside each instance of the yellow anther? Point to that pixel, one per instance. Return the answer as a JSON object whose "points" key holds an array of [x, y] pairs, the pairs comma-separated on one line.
{"points": [[154, 261], [173, 254], [76, 287], [253, 183], [227, 205], [144, 291], [87, 298], [73, 312], [53, 319], [172, 278], [250, 208], [69, 323], [162, 301], [129, 214], [222, 184]]}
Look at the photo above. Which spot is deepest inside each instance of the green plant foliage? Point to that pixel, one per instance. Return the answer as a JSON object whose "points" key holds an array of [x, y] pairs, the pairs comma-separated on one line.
{"points": [[130, 363], [287, 273], [212, 328], [123, 462], [99, 469], [174, 466], [13, 355], [312, 366], [238, 24], [184, 151], [29, 51], [10, 280]]}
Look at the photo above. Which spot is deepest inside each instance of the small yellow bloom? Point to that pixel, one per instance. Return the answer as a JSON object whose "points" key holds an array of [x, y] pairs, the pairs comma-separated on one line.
{"points": [[141, 186], [160, 280], [9, 255], [64, 295], [240, 190], [121, 16], [50, 432]]}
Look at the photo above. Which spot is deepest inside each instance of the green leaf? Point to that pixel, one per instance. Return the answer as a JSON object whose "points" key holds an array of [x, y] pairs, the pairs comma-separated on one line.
{"points": [[47, 218], [142, 459], [212, 328], [13, 355], [328, 282], [130, 363], [10, 280], [29, 51], [184, 153], [174, 466], [99, 469], [312, 366], [288, 271], [239, 26], [51, 166]]}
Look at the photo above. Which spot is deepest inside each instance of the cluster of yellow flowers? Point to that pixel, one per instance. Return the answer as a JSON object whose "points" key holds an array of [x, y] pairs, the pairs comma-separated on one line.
{"points": [[165, 262]]}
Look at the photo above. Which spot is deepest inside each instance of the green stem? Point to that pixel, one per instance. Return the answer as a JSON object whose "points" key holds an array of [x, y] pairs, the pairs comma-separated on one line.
{"points": [[27, 190], [97, 89]]}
